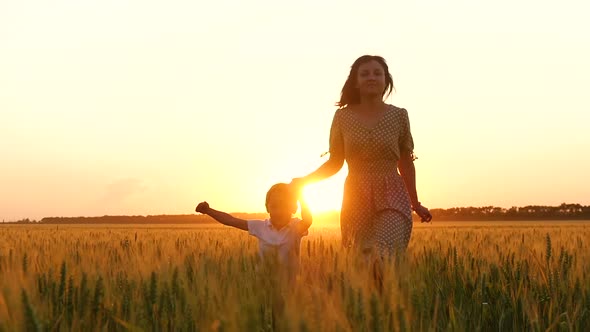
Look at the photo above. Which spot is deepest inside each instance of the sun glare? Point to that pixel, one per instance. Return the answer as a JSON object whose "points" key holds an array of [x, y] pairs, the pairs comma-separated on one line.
{"points": [[325, 195]]}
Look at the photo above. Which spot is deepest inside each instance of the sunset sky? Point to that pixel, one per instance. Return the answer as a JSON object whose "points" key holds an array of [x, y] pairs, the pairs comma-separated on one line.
{"points": [[148, 107]]}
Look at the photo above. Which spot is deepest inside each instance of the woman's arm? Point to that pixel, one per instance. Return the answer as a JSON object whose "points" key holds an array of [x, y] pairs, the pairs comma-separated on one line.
{"points": [[332, 165], [326, 170], [408, 173]]}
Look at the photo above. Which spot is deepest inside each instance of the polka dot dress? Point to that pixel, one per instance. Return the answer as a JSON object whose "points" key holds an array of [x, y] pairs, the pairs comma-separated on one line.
{"points": [[376, 211]]}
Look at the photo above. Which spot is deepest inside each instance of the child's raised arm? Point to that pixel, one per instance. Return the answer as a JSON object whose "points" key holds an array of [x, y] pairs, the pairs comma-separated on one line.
{"points": [[306, 217], [222, 217]]}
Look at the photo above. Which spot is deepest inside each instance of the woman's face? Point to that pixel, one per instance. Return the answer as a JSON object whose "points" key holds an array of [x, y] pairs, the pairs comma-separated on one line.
{"points": [[371, 79]]}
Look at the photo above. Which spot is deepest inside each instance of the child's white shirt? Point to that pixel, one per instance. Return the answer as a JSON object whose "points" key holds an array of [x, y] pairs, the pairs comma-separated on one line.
{"points": [[284, 242]]}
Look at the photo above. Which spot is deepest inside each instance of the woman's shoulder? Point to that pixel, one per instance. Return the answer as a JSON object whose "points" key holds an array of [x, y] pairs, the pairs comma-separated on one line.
{"points": [[342, 111], [345, 109], [351, 108], [397, 111], [396, 108]]}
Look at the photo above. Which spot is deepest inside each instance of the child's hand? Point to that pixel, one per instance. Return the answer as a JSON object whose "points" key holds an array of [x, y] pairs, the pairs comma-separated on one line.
{"points": [[203, 207]]}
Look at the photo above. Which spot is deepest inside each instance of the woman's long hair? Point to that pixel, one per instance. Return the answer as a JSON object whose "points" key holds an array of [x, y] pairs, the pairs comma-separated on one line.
{"points": [[350, 94]]}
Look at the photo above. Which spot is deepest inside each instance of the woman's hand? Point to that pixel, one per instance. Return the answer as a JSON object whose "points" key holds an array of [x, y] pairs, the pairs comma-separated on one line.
{"points": [[423, 213], [203, 207]]}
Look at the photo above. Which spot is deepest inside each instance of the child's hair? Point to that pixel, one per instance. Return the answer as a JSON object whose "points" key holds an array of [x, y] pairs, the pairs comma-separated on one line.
{"points": [[285, 191]]}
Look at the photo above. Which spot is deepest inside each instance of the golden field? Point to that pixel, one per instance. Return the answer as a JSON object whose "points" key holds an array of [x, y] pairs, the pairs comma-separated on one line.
{"points": [[478, 276]]}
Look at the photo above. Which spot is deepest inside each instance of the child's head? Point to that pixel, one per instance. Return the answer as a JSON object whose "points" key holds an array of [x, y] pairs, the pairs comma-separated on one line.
{"points": [[281, 203]]}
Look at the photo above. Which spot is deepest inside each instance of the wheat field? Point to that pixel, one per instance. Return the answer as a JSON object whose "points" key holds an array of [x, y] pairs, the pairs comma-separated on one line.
{"points": [[531, 276]]}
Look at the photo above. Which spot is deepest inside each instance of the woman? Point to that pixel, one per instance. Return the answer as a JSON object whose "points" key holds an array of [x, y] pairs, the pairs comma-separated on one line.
{"points": [[375, 140]]}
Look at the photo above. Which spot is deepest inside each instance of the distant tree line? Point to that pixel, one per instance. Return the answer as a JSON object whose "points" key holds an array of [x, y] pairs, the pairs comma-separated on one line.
{"points": [[529, 212], [485, 213], [158, 219]]}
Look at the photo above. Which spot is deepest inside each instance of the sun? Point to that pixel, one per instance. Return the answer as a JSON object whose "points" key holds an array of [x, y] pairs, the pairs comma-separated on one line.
{"points": [[325, 195]]}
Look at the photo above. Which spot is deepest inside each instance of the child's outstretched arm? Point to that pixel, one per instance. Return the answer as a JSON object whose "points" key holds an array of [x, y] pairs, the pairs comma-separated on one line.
{"points": [[306, 217], [222, 217]]}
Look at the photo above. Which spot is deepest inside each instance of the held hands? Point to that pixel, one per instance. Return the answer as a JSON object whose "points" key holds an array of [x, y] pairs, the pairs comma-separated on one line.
{"points": [[203, 208], [297, 184], [297, 192], [423, 213]]}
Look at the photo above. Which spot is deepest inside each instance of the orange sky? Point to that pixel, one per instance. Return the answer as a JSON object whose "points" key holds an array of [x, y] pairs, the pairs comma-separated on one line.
{"points": [[128, 107]]}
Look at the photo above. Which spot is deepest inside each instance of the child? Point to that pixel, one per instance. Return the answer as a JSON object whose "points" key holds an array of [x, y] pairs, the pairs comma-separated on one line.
{"points": [[281, 234]]}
